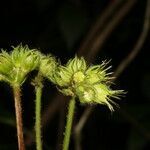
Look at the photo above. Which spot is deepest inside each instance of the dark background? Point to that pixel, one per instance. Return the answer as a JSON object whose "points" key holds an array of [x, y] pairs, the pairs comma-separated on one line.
{"points": [[60, 27]]}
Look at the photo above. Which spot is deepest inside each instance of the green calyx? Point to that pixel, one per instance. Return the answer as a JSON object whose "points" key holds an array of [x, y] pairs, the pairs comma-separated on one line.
{"points": [[89, 84], [14, 66]]}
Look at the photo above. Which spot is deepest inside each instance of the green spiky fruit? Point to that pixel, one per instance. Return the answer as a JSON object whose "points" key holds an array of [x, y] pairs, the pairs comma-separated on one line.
{"points": [[88, 83]]}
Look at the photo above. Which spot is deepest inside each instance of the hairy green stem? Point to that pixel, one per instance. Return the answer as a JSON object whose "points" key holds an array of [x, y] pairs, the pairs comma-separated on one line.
{"points": [[18, 110], [70, 115], [38, 90]]}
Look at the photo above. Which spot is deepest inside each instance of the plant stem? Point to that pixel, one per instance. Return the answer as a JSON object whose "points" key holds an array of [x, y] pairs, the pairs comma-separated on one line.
{"points": [[38, 90], [70, 115], [18, 109]]}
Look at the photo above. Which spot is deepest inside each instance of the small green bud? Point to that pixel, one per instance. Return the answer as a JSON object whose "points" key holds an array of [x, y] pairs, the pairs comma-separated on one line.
{"points": [[76, 64], [47, 66], [62, 77], [103, 95], [78, 77], [85, 93], [97, 73]]}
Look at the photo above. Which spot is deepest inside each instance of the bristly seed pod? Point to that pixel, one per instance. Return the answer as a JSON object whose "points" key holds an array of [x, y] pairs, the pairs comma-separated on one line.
{"points": [[14, 66], [89, 84]]}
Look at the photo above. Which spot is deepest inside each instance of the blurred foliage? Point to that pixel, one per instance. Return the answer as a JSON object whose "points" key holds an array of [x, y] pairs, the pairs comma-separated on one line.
{"points": [[7, 118], [72, 22]]}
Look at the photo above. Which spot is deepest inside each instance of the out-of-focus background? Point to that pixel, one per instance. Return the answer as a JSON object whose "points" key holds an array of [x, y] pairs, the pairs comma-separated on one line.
{"points": [[98, 30]]}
